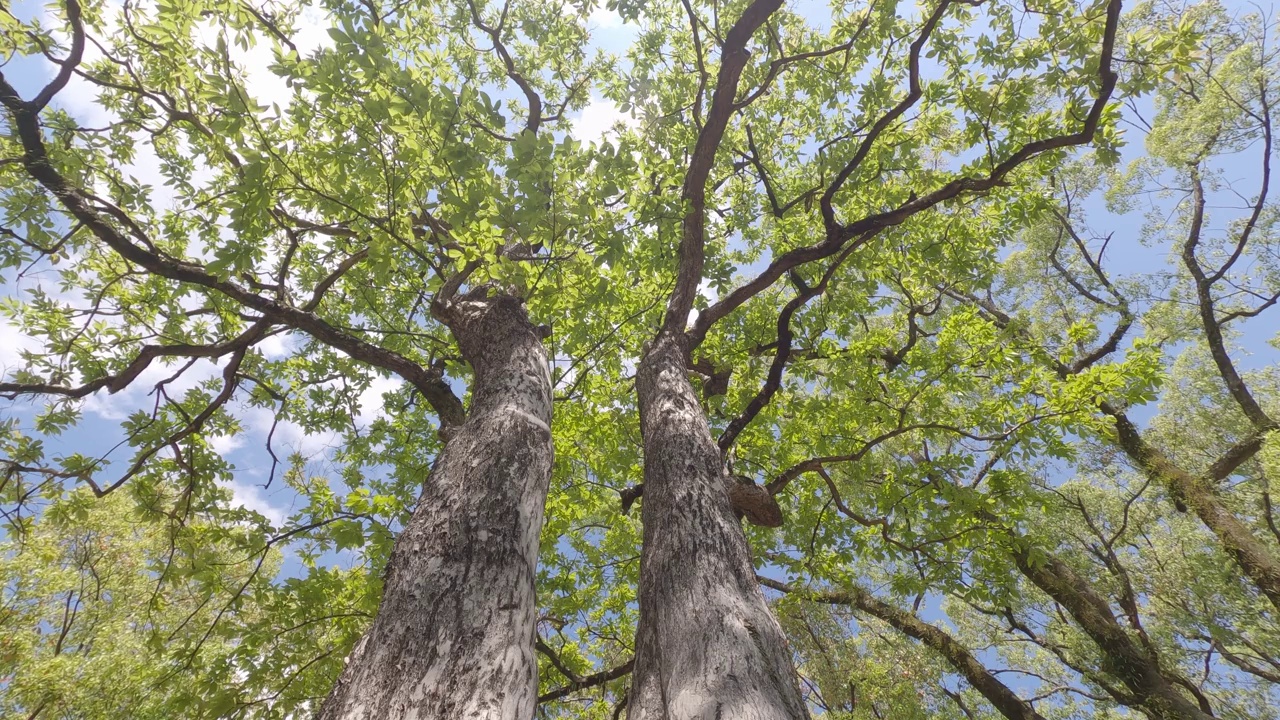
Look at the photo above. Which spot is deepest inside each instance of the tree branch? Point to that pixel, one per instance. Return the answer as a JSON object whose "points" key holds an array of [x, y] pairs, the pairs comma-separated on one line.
{"points": [[37, 163], [692, 253], [860, 231], [1003, 698]]}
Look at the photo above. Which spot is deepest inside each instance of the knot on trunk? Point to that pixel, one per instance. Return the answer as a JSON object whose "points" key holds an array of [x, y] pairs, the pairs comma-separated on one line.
{"points": [[754, 502], [629, 496], [749, 500], [715, 381]]}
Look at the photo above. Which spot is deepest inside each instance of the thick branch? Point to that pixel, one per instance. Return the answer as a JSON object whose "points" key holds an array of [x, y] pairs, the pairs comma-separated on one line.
{"points": [[1257, 561], [858, 232], [116, 383], [1131, 663], [531, 96], [733, 58], [997, 693]]}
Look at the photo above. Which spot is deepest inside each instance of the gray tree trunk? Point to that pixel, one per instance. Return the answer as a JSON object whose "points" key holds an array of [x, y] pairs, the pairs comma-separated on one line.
{"points": [[707, 646], [454, 636]]}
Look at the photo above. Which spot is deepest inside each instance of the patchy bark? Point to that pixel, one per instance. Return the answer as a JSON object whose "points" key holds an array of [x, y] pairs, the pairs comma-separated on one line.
{"points": [[454, 636], [707, 645]]}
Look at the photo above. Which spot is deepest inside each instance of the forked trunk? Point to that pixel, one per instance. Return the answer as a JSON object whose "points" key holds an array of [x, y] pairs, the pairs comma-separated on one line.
{"points": [[707, 645], [454, 636]]}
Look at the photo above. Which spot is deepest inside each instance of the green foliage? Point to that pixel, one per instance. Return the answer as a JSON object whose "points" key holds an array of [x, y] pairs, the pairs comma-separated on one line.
{"points": [[944, 407]]}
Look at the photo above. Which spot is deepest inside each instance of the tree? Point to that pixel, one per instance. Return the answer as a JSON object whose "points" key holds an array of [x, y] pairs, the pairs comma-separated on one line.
{"points": [[723, 653], [463, 574], [1106, 561], [95, 593], [783, 290]]}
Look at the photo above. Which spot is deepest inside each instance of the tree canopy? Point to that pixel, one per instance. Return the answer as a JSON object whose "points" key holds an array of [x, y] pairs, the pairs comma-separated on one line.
{"points": [[980, 292]]}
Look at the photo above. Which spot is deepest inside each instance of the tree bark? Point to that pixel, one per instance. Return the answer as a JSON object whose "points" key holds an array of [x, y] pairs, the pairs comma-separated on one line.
{"points": [[454, 635], [707, 645]]}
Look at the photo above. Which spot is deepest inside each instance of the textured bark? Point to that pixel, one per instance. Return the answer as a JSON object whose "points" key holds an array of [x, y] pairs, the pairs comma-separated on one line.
{"points": [[454, 636], [1134, 664], [707, 645]]}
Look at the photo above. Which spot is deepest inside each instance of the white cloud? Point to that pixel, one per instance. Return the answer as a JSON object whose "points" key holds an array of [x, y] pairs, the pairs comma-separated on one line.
{"points": [[276, 346], [599, 120], [252, 497], [604, 18], [138, 396], [310, 34], [225, 444], [371, 403], [708, 293], [289, 436], [12, 342]]}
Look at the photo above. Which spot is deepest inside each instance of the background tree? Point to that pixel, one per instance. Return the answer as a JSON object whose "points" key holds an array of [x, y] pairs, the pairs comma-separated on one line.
{"points": [[93, 595]]}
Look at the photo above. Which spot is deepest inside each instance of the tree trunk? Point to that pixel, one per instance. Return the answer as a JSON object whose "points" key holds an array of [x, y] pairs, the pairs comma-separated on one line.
{"points": [[454, 635], [707, 645]]}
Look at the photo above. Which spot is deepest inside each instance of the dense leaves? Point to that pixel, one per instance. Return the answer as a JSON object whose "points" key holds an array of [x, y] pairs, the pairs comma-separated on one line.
{"points": [[982, 290]]}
